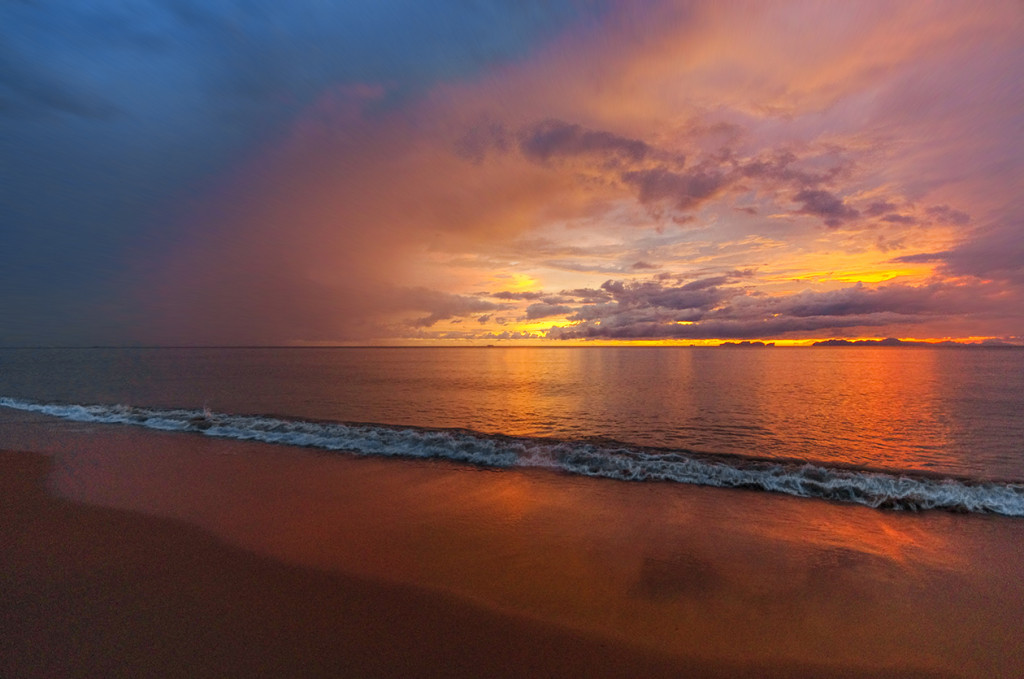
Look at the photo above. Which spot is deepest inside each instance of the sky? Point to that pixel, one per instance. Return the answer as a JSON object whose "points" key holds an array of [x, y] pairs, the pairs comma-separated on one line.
{"points": [[205, 172]]}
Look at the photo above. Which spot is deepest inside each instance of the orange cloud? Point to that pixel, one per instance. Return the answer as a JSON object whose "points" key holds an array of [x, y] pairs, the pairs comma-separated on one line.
{"points": [[810, 147]]}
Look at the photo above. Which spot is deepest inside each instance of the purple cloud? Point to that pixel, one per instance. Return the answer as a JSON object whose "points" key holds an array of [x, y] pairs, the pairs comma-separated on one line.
{"points": [[439, 305], [684, 189], [712, 309], [825, 205], [508, 294], [551, 138], [543, 310]]}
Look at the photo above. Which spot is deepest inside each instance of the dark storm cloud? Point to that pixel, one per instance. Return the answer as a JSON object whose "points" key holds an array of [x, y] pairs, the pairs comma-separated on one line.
{"points": [[555, 138], [831, 209]]}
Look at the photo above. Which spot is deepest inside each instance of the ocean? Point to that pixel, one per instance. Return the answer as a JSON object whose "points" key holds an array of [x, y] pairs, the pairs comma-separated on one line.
{"points": [[899, 428], [846, 512]]}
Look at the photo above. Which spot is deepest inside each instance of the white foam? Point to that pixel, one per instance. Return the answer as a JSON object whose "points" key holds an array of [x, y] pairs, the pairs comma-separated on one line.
{"points": [[871, 488]]}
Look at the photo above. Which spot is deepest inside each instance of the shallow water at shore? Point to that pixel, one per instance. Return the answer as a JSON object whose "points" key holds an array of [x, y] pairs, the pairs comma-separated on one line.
{"points": [[950, 411], [720, 575]]}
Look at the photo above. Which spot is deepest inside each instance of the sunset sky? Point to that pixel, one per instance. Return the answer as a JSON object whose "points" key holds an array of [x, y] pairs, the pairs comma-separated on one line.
{"points": [[210, 172]]}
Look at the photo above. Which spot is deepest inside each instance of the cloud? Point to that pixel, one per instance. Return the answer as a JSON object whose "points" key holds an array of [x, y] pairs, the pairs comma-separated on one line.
{"points": [[715, 309], [823, 204], [399, 181], [694, 295], [895, 218], [545, 310], [859, 300], [922, 257], [506, 294], [655, 175], [683, 189], [783, 167], [879, 208], [440, 305], [995, 253], [551, 138], [588, 294], [725, 329], [946, 214], [513, 335]]}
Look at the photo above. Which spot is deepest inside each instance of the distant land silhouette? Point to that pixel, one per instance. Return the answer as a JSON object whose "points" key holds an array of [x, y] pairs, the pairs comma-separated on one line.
{"points": [[894, 342], [887, 342]]}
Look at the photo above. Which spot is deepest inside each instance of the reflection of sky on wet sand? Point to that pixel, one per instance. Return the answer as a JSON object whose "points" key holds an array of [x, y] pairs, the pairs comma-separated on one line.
{"points": [[718, 574]]}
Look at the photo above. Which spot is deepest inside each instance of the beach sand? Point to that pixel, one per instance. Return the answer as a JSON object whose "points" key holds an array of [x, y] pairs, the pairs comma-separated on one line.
{"points": [[137, 553], [94, 592]]}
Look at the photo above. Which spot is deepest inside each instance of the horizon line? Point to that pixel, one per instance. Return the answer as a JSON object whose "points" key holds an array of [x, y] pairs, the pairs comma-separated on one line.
{"points": [[833, 343]]}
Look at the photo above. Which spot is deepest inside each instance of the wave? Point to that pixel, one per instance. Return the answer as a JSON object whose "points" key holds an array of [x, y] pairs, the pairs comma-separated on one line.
{"points": [[604, 459]]}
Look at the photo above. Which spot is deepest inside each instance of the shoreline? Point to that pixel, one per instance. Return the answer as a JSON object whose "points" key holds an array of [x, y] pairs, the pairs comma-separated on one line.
{"points": [[123, 533], [92, 591]]}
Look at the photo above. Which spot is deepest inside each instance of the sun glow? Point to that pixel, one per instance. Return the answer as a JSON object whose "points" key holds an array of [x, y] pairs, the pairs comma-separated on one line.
{"points": [[863, 275], [516, 282]]}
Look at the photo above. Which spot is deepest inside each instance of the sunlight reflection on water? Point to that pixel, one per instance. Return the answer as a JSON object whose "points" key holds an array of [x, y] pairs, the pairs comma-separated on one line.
{"points": [[945, 410]]}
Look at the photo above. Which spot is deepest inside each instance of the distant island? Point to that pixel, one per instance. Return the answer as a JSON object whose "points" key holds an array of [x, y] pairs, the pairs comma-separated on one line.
{"points": [[887, 342], [894, 342]]}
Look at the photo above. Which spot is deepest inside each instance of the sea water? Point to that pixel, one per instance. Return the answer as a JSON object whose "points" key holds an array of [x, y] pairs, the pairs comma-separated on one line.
{"points": [[898, 428], [471, 472]]}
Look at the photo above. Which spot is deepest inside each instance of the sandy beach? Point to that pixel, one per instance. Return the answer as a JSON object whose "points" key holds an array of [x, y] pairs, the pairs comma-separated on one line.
{"points": [[133, 553], [93, 592]]}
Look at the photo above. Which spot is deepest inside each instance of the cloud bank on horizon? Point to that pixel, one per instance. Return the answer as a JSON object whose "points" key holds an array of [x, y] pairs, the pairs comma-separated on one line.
{"points": [[266, 173]]}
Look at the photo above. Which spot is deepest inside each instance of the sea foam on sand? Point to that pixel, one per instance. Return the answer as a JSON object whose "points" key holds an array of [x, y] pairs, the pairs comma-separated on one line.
{"points": [[746, 582]]}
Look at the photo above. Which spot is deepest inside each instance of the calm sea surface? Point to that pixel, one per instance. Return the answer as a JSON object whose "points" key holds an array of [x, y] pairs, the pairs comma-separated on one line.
{"points": [[954, 411]]}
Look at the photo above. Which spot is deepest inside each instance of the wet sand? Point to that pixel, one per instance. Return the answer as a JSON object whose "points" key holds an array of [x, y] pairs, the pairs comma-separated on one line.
{"points": [[136, 553], [94, 592]]}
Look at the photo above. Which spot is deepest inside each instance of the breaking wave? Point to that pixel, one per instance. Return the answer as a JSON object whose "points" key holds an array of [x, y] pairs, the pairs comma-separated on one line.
{"points": [[874, 488]]}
